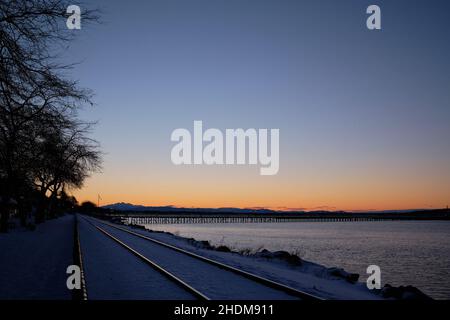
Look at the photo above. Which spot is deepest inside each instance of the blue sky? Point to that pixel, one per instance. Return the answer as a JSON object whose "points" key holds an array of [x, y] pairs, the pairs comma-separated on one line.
{"points": [[363, 115]]}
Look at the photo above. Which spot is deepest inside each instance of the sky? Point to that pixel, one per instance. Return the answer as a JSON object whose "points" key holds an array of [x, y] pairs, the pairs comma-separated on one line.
{"points": [[363, 114]]}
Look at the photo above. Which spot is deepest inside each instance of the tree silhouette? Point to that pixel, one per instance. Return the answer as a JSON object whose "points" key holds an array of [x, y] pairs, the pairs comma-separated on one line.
{"points": [[40, 136]]}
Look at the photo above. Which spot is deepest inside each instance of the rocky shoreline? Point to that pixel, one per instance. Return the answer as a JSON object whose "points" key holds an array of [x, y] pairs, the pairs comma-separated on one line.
{"points": [[387, 292]]}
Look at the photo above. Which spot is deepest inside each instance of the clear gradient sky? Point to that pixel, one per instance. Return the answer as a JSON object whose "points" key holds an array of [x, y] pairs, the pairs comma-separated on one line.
{"points": [[364, 116]]}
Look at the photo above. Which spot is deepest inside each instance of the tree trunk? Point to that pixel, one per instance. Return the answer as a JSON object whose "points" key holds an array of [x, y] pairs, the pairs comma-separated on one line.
{"points": [[40, 211], [22, 210], [4, 210]]}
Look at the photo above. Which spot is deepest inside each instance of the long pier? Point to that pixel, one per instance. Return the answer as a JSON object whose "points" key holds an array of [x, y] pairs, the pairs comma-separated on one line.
{"points": [[139, 218]]}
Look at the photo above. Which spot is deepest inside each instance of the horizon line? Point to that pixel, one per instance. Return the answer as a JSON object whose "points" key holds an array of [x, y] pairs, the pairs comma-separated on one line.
{"points": [[277, 209]]}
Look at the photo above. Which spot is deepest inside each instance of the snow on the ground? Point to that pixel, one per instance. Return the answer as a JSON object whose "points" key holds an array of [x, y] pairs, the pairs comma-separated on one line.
{"points": [[308, 277], [213, 281], [111, 272], [33, 266], [33, 263]]}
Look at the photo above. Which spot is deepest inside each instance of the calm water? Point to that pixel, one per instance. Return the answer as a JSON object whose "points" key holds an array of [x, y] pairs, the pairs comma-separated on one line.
{"points": [[408, 252]]}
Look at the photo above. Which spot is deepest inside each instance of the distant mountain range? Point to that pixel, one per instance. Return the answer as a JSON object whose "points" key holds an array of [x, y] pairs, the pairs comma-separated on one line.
{"points": [[122, 206]]}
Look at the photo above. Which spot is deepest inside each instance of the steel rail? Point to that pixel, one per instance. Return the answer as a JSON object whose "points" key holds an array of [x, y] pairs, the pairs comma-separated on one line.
{"points": [[154, 265], [270, 283]]}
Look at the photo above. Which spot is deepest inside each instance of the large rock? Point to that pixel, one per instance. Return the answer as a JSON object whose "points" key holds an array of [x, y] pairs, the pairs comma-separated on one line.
{"points": [[280, 255], [403, 293], [341, 273], [223, 249]]}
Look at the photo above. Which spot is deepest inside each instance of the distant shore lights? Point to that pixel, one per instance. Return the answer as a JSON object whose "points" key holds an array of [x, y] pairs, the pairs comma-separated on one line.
{"points": [[234, 151]]}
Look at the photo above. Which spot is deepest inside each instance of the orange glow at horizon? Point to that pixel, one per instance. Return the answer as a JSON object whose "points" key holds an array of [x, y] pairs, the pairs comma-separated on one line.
{"points": [[241, 188]]}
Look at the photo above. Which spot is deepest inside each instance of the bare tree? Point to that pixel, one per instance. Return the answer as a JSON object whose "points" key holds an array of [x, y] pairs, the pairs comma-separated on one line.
{"points": [[34, 91], [66, 156]]}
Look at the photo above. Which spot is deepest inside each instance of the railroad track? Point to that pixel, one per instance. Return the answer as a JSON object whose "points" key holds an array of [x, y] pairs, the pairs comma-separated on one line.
{"points": [[154, 265], [249, 276]]}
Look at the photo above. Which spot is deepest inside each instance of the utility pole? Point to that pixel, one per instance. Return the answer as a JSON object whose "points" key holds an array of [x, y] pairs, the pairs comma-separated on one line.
{"points": [[98, 201]]}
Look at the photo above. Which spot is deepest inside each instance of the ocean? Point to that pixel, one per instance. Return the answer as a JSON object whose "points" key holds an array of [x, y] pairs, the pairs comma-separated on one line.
{"points": [[408, 252]]}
